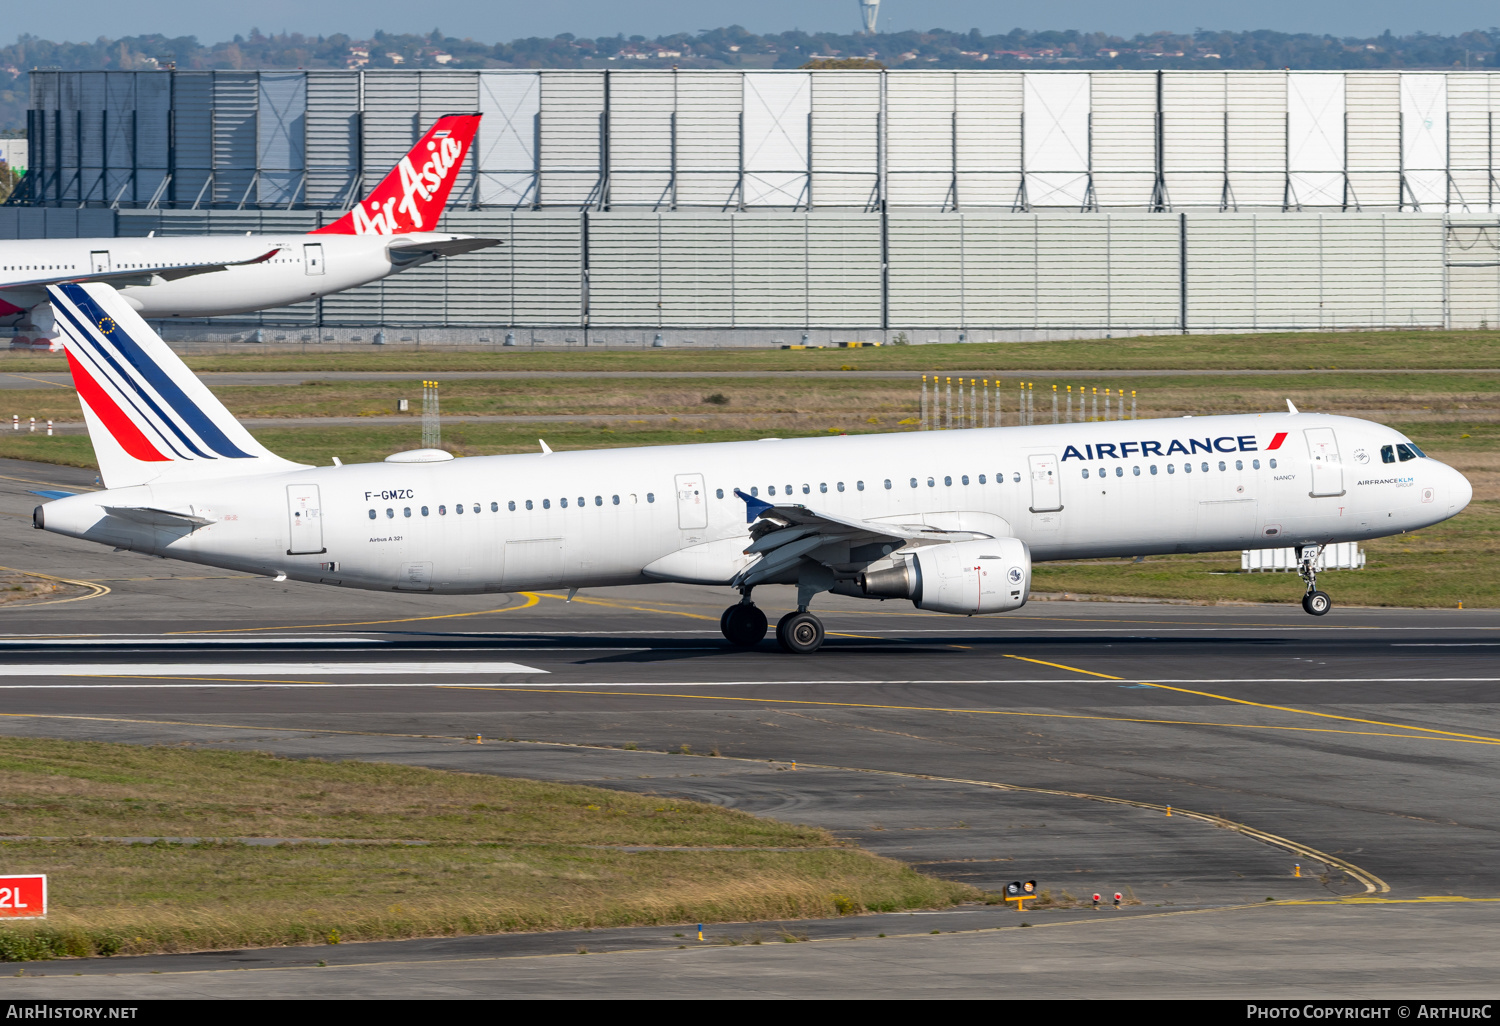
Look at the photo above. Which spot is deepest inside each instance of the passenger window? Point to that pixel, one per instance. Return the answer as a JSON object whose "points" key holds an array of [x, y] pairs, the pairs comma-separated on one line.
{"points": [[1273, 464], [841, 486], [1221, 466], [1103, 472], [424, 511], [546, 504], [754, 491], [1387, 454], [372, 514], [807, 489], [770, 490], [823, 487], [932, 482], [1016, 477], [964, 479], [511, 505], [1404, 453], [528, 504], [615, 499], [1136, 471], [1187, 468], [582, 502], [459, 509], [1153, 470], [718, 494], [1205, 468], [563, 502], [1239, 464], [494, 507], [650, 496], [1119, 472], [860, 485], [1255, 464], [913, 482], [390, 514], [599, 499], [981, 479], [442, 511], [789, 489], [1085, 473], [406, 511], [1171, 468], [948, 481]]}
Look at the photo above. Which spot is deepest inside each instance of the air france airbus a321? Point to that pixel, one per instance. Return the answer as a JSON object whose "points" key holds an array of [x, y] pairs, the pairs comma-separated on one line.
{"points": [[951, 522], [210, 275]]}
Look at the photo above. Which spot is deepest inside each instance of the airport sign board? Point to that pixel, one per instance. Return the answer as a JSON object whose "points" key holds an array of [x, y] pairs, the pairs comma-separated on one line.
{"points": [[23, 897]]}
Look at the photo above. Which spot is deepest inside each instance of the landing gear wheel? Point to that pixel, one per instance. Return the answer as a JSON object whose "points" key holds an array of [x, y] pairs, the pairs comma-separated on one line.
{"points": [[744, 625], [800, 632], [1317, 603]]}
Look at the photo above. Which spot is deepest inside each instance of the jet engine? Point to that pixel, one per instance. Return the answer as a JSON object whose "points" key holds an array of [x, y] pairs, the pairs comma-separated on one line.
{"points": [[988, 576]]}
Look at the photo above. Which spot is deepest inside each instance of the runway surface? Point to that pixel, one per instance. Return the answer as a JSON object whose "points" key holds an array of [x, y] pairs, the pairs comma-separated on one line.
{"points": [[1045, 744]]}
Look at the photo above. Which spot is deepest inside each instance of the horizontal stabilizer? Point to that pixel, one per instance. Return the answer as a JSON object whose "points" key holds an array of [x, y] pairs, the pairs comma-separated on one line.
{"points": [[451, 246]]}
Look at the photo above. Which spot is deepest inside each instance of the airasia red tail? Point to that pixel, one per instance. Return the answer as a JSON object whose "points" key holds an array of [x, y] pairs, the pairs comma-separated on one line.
{"points": [[412, 196]]}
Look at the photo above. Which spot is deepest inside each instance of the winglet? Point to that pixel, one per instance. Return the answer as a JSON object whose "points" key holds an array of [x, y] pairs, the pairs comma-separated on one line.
{"points": [[546, 449], [753, 507], [1289, 407]]}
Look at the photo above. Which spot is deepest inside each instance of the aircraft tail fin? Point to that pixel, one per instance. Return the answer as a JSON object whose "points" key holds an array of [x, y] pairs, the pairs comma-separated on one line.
{"points": [[412, 197], [149, 418]]}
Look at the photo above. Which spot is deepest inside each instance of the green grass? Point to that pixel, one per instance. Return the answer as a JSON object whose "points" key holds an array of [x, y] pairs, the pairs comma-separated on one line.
{"points": [[1266, 351], [498, 854]]}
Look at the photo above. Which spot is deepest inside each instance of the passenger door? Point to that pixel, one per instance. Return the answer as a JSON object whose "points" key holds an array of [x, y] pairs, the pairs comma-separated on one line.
{"points": [[312, 258], [305, 516], [99, 261], [692, 503], [1327, 466], [1046, 486]]}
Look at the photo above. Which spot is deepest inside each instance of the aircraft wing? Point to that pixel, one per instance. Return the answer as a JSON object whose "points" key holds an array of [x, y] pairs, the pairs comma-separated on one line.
{"points": [[783, 536], [451, 246], [138, 275]]}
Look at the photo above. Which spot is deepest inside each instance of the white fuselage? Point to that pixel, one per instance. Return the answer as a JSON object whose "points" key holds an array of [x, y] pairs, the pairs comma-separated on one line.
{"points": [[622, 516], [304, 267]]}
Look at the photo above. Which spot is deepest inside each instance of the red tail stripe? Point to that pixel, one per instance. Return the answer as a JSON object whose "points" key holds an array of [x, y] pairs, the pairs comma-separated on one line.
{"points": [[119, 424], [1276, 442]]}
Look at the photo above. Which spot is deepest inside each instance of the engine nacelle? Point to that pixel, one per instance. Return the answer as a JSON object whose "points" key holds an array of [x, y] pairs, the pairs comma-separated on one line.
{"points": [[989, 576]]}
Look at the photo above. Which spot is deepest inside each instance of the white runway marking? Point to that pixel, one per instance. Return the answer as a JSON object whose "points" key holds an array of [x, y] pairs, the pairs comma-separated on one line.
{"points": [[128, 681], [392, 669]]}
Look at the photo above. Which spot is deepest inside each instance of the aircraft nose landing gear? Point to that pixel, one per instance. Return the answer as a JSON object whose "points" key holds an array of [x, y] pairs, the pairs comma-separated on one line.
{"points": [[1314, 602]]}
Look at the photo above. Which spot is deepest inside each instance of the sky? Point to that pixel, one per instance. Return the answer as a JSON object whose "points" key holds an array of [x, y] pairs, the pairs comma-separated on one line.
{"points": [[499, 20]]}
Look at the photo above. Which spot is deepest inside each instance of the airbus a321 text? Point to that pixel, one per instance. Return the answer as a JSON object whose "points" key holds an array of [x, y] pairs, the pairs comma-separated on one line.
{"points": [[211, 275], [951, 522]]}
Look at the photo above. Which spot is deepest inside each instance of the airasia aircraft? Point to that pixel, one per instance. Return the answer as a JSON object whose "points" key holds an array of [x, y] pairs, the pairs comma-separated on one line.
{"points": [[953, 527], [210, 275]]}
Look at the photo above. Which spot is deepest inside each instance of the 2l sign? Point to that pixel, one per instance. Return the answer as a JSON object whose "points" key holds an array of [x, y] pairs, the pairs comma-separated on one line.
{"points": [[23, 897]]}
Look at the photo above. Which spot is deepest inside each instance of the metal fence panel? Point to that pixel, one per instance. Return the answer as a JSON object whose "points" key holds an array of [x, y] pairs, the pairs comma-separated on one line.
{"points": [[641, 109], [1056, 150], [770, 270], [927, 275], [392, 120], [1195, 157], [235, 96], [989, 138], [845, 144], [1315, 140], [921, 126], [333, 147], [843, 270], [119, 136], [1469, 141], [1256, 104], [153, 135], [1373, 102], [509, 102], [192, 135], [709, 105], [281, 134], [1122, 138], [777, 139], [572, 133], [1424, 140]]}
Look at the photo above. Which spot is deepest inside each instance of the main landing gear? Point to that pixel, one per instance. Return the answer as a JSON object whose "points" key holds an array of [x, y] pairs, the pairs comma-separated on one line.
{"points": [[1315, 602], [745, 625]]}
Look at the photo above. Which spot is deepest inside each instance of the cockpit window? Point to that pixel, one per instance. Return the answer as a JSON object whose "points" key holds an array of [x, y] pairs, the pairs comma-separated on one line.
{"points": [[1413, 447], [1404, 453], [1387, 454]]}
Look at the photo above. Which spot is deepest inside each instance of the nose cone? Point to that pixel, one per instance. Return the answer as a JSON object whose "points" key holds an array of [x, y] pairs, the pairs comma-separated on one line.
{"points": [[1460, 490]]}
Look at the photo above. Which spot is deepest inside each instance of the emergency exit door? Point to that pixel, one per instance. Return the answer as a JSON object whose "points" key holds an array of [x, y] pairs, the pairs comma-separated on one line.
{"points": [[692, 504], [312, 257], [99, 261], [1327, 465], [1046, 487], [305, 517]]}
